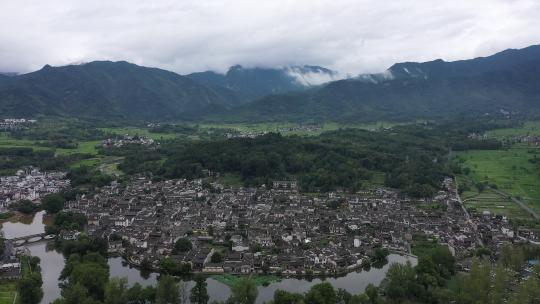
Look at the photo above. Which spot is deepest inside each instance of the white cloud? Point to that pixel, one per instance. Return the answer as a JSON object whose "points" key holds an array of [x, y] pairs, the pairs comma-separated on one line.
{"points": [[350, 36]]}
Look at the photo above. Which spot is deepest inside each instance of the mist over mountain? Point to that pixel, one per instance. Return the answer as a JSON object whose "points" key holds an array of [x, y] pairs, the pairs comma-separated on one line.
{"points": [[248, 84], [506, 81]]}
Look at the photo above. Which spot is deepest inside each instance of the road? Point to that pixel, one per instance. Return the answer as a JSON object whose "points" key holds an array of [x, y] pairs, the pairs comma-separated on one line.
{"points": [[467, 216]]}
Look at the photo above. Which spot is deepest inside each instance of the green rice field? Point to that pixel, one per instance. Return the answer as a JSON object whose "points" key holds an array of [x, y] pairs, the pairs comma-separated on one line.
{"points": [[8, 290]]}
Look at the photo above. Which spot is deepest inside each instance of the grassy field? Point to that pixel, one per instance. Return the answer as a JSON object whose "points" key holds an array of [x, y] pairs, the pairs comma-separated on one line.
{"points": [[509, 169], [8, 290], [86, 147], [528, 128], [8, 142], [232, 280], [138, 131]]}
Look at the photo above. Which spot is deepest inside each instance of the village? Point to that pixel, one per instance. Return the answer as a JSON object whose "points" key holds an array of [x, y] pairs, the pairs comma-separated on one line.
{"points": [[280, 230], [120, 141], [30, 184], [11, 124]]}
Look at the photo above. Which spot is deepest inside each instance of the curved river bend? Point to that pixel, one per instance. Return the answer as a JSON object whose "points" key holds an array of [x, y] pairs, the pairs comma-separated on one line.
{"points": [[52, 263]]}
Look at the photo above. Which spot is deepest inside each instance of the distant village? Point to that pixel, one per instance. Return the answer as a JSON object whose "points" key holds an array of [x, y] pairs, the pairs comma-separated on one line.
{"points": [[11, 124], [532, 140], [120, 141], [30, 184], [283, 130]]}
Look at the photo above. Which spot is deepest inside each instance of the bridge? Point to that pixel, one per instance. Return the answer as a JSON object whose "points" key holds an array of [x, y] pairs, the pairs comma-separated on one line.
{"points": [[28, 239]]}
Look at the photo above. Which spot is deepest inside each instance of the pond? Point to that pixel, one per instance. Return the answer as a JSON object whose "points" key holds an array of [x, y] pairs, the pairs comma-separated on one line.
{"points": [[52, 263]]}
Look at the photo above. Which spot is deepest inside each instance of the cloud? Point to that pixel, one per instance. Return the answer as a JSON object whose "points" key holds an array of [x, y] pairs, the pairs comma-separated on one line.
{"points": [[350, 36]]}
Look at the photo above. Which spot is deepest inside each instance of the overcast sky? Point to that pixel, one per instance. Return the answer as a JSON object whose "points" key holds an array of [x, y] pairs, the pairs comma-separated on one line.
{"points": [[351, 36]]}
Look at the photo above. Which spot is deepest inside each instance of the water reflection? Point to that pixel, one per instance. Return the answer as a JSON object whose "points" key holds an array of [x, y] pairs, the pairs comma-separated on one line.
{"points": [[52, 263]]}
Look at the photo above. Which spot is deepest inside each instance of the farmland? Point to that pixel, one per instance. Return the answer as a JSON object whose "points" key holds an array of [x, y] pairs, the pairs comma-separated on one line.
{"points": [[508, 169], [8, 291]]}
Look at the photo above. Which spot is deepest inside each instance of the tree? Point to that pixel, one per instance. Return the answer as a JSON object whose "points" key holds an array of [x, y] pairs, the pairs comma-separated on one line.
{"points": [[116, 291], [400, 282], [137, 294], [381, 254], [92, 276], [168, 266], [217, 257], [500, 285], [30, 288], [167, 291], [24, 206], [245, 292], [322, 293], [199, 293], [182, 245], [284, 297], [53, 203], [373, 293]]}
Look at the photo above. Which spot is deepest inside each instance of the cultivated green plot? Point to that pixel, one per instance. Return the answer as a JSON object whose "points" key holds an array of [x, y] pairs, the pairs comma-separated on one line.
{"points": [[509, 169], [496, 204], [85, 147], [8, 290], [9, 142]]}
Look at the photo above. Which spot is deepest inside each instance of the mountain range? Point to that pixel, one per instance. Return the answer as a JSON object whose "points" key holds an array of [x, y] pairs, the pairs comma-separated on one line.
{"points": [[507, 81]]}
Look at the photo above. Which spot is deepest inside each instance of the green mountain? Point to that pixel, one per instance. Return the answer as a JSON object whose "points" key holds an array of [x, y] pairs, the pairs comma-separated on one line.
{"points": [[505, 82], [104, 89]]}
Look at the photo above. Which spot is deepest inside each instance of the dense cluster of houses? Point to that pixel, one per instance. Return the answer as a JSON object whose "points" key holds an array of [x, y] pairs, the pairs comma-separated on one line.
{"points": [[120, 141], [283, 130], [10, 124], [300, 128], [30, 184], [526, 139], [268, 230], [477, 136], [10, 266], [496, 230]]}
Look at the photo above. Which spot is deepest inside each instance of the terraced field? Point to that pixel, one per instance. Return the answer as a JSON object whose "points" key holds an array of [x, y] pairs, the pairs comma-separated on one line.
{"points": [[496, 204], [509, 169]]}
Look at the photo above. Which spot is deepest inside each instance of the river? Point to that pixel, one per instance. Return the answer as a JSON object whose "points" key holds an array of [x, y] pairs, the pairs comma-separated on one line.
{"points": [[52, 263]]}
